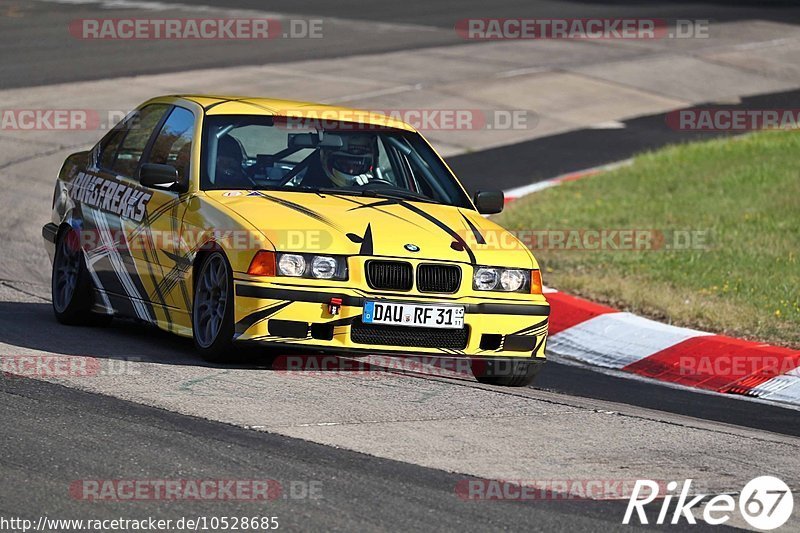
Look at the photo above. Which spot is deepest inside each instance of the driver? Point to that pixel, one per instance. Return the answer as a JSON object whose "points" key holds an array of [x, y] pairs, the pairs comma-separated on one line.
{"points": [[352, 164]]}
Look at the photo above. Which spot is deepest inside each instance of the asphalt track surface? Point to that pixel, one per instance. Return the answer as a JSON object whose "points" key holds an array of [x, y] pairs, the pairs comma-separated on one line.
{"points": [[53, 435], [37, 50], [61, 434], [441, 13]]}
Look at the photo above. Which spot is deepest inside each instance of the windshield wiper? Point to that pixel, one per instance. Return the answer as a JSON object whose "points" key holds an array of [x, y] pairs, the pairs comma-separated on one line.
{"points": [[399, 194], [334, 190], [394, 194]]}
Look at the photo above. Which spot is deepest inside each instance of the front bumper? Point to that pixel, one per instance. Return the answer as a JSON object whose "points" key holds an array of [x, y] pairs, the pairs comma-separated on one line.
{"points": [[285, 314]]}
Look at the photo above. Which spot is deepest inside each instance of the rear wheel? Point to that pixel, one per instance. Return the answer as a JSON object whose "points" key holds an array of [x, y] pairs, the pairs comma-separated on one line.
{"points": [[71, 288], [212, 311], [506, 372]]}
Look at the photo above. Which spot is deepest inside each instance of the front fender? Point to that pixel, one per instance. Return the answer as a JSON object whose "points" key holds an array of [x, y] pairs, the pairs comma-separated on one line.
{"points": [[209, 224]]}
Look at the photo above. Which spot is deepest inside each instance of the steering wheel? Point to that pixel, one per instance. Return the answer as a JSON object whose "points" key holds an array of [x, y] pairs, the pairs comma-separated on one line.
{"points": [[230, 173]]}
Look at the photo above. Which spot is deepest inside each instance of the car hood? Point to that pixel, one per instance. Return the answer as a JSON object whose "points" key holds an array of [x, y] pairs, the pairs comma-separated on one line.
{"points": [[350, 225]]}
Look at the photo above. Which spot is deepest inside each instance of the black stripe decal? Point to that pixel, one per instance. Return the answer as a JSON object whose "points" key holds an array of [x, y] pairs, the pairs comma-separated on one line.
{"points": [[150, 218], [530, 329], [223, 101], [175, 275], [366, 242], [377, 294], [443, 226], [343, 321], [154, 279], [252, 291], [300, 209], [478, 237], [245, 323], [376, 206], [538, 345]]}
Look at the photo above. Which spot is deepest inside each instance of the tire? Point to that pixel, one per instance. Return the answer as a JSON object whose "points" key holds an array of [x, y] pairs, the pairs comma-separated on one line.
{"points": [[505, 372], [212, 309], [71, 286]]}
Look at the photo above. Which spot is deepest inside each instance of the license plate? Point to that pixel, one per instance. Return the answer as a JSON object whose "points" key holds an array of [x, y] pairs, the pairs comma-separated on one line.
{"points": [[414, 315]]}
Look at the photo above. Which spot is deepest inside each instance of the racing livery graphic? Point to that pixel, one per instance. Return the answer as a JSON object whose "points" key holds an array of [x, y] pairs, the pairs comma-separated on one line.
{"points": [[121, 199], [219, 219]]}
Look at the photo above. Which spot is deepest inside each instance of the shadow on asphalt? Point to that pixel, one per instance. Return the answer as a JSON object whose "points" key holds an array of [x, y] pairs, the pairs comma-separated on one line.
{"points": [[32, 326]]}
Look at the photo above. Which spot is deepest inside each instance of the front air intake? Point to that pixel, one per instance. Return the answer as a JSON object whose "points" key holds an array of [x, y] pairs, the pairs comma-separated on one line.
{"points": [[438, 278], [390, 275]]}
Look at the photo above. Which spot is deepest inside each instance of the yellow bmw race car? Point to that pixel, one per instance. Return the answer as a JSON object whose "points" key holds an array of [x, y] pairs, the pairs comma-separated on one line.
{"points": [[295, 225]]}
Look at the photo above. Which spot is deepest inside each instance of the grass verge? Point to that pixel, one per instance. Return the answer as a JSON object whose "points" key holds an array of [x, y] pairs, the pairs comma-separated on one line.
{"points": [[723, 218]]}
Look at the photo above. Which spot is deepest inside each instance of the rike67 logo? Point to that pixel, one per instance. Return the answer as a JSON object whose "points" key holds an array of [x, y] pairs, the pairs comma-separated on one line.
{"points": [[766, 503]]}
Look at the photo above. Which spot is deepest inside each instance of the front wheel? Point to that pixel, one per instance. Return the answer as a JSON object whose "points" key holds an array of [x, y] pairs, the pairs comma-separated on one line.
{"points": [[506, 372], [212, 310]]}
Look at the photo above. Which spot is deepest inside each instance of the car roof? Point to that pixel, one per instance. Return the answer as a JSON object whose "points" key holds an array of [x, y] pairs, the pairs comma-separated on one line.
{"points": [[246, 105]]}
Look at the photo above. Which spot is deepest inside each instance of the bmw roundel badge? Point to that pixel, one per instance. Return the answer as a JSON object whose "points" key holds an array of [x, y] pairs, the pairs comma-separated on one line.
{"points": [[412, 247]]}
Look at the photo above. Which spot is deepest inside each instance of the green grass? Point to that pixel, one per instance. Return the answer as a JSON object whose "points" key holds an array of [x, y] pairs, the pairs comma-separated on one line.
{"points": [[743, 193]]}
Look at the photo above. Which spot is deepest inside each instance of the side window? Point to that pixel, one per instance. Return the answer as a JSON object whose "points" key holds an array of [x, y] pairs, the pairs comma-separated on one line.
{"points": [[110, 147], [384, 169], [140, 129], [173, 146]]}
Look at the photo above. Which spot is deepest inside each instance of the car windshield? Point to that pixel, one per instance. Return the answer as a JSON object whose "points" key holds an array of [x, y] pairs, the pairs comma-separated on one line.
{"points": [[262, 153]]}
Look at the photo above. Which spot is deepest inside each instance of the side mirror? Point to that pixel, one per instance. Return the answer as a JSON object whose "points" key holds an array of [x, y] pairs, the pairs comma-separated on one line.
{"points": [[164, 177], [489, 202]]}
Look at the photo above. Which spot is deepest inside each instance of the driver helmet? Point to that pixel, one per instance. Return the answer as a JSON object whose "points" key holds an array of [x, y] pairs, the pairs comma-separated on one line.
{"points": [[353, 163]]}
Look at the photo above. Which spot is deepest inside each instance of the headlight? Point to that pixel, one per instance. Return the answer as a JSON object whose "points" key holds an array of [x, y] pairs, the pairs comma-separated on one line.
{"points": [[501, 279], [291, 265], [486, 279], [312, 266], [323, 267], [512, 280]]}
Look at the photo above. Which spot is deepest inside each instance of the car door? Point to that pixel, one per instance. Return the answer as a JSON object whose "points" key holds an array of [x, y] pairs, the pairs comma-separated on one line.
{"points": [[113, 209], [172, 145]]}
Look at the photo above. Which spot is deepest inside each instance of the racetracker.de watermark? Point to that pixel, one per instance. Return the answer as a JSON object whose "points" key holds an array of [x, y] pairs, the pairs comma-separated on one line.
{"points": [[188, 239], [210, 490], [57, 119], [327, 366], [544, 489], [557, 239], [727, 119], [65, 366], [494, 29], [589, 239], [736, 365], [147, 29], [422, 119], [63, 119]]}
